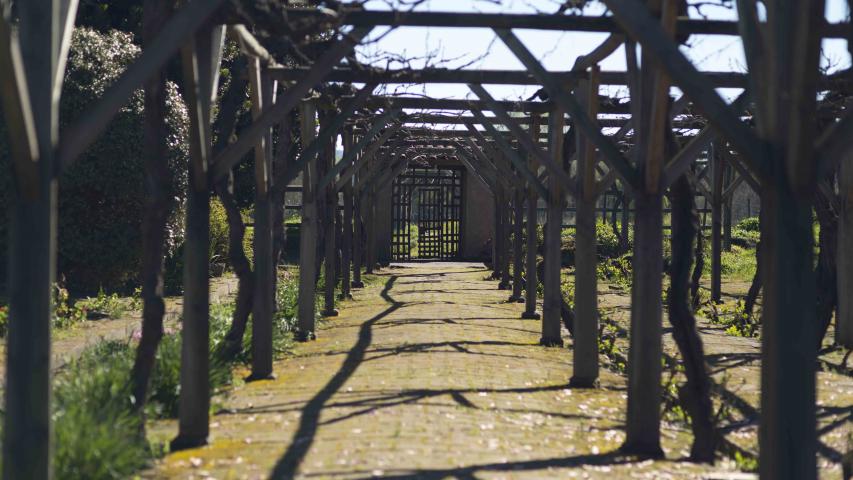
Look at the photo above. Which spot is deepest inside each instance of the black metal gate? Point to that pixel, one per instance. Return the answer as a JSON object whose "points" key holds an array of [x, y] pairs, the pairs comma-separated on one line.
{"points": [[429, 199]]}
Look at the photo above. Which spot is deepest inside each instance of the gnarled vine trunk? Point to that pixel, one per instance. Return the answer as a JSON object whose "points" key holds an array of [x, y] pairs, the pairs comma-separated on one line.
{"points": [[696, 393], [827, 269], [158, 202]]}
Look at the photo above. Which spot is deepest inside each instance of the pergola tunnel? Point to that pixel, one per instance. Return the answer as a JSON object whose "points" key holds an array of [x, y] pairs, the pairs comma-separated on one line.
{"points": [[348, 262]]}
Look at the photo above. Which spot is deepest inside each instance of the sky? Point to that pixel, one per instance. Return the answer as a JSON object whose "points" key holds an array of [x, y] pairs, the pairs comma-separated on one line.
{"points": [[557, 50]]}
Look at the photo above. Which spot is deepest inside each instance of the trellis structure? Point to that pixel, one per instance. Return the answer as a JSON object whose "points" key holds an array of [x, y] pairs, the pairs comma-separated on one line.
{"points": [[776, 154]]}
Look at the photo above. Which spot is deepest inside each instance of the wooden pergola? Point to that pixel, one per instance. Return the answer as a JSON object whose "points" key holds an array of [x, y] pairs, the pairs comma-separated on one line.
{"points": [[775, 147]]}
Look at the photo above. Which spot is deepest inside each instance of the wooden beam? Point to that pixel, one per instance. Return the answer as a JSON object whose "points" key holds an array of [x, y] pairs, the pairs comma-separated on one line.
{"points": [[531, 146], [307, 232], [17, 110], [198, 59], [641, 26], [568, 102], [27, 436], [465, 105], [330, 57], [488, 77], [577, 23], [177, 31]]}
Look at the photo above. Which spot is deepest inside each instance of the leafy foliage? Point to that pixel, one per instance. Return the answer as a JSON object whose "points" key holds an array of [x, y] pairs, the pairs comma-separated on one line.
{"points": [[102, 196], [97, 436]]}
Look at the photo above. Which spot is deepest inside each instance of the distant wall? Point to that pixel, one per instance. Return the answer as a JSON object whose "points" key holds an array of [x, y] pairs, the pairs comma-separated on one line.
{"points": [[478, 217]]}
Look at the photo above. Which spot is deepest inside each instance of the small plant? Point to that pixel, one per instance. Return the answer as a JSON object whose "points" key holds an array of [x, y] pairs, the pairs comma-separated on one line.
{"points": [[97, 435], [732, 316], [618, 271], [4, 321], [103, 306], [66, 314]]}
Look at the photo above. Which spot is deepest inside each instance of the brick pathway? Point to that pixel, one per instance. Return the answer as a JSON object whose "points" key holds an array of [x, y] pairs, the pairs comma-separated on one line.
{"points": [[430, 375]]}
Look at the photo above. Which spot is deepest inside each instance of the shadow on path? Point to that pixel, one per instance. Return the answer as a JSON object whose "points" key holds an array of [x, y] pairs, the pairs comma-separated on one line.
{"points": [[289, 463]]}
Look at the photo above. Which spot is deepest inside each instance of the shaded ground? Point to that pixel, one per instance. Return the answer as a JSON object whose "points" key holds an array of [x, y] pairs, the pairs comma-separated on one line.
{"points": [[736, 369], [434, 376], [70, 343]]}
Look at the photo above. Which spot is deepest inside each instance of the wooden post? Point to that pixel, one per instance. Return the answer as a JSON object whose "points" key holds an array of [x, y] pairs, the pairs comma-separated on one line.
{"points": [[200, 64], [262, 92], [585, 349], [369, 205], [506, 228], [307, 232], [727, 211], [844, 314], [32, 256], [531, 282], [642, 425], [717, 166], [517, 254], [624, 241], [552, 301], [347, 237], [358, 240], [496, 237], [331, 206]]}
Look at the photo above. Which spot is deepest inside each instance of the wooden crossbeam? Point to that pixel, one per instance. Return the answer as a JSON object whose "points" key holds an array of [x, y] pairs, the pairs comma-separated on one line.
{"points": [[489, 77], [532, 147], [17, 110], [641, 26], [465, 105], [231, 155], [567, 100], [177, 31], [503, 174], [577, 23]]}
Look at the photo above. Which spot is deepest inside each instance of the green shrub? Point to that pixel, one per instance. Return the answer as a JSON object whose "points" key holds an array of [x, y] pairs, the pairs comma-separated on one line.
{"points": [[749, 224], [97, 436], [103, 305], [218, 232], [4, 320], [165, 388], [66, 313], [102, 196]]}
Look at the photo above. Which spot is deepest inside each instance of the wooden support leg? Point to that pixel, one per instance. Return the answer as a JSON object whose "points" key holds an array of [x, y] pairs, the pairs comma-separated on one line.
{"points": [[200, 62], [626, 217], [370, 225], [194, 404], [346, 245], [644, 356], [308, 234], [331, 255], [32, 264], [496, 239], [717, 229], [552, 299], [585, 346], [844, 314], [531, 282], [357, 242], [264, 298], [263, 302], [506, 228], [787, 431], [517, 253]]}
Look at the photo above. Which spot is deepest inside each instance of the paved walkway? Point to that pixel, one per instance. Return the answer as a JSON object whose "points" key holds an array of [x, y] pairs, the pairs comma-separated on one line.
{"points": [[434, 376]]}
